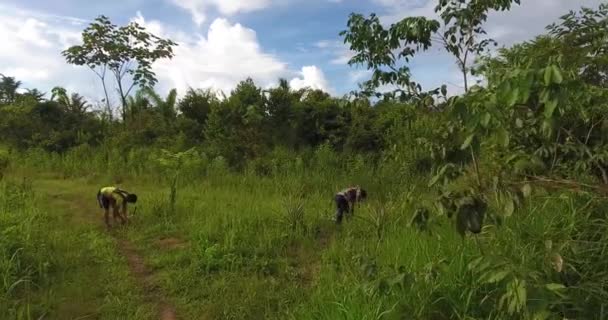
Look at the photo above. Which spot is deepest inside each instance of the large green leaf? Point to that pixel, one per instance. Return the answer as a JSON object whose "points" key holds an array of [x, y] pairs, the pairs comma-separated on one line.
{"points": [[555, 286], [503, 137], [513, 97], [485, 120], [467, 142], [550, 106], [556, 75], [548, 76], [497, 276]]}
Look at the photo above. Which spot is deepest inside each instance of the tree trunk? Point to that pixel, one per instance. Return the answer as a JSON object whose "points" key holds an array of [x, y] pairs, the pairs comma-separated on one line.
{"points": [[105, 91], [123, 100]]}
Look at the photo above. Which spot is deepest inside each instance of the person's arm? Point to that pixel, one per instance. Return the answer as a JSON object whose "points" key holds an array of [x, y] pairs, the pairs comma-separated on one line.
{"points": [[124, 208], [99, 199]]}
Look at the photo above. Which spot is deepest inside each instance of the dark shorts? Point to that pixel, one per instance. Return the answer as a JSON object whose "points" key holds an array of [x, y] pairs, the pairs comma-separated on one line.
{"points": [[341, 202], [103, 201]]}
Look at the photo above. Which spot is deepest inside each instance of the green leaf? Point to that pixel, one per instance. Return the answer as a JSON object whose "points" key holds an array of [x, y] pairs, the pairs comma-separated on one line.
{"points": [[555, 286], [526, 190], [467, 142], [509, 207], [519, 123], [556, 74], [513, 97], [435, 179], [503, 137], [550, 106], [504, 92], [485, 120], [548, 75], [521, 292], [497, 277]]}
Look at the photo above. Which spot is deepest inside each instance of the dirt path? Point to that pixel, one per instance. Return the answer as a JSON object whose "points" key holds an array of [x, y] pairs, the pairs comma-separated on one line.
{"points": [[83, 210], [145, 278]]}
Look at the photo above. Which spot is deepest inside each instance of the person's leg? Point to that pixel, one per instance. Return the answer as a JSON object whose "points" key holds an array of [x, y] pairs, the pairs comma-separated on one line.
{"points": [[123, 214], [105, 203], [106, 217], [342, 206], [116, 213]]}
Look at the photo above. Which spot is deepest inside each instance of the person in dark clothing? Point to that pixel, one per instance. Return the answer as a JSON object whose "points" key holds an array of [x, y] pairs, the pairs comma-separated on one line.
{"points": [[346, 200]]}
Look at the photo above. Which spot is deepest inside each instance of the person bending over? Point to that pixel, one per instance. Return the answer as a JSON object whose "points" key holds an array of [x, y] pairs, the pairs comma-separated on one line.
{"points": [[346, 200], [117, 199]]}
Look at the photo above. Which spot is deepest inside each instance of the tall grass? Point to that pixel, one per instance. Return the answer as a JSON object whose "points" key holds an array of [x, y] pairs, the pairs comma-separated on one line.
{"points": [[262, 243], [52, 268]]}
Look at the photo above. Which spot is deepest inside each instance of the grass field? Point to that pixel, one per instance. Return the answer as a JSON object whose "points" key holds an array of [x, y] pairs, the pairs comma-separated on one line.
{"points": [[241, 246]]}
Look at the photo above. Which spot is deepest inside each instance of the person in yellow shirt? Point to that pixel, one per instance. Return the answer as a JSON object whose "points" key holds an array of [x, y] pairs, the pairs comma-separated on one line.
{"points": [[117, 199]]}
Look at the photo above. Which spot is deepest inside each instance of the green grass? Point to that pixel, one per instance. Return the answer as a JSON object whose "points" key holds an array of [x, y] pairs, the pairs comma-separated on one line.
{"points": [[71, 266], [241, 246]]}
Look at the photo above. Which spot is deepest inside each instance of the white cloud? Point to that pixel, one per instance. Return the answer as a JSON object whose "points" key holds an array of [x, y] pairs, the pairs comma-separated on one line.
{"points": [[340, 51], [30, 50], [198, 8], [31, 45], [521, 23], [311, 77], [357, 76], [227, 54]]}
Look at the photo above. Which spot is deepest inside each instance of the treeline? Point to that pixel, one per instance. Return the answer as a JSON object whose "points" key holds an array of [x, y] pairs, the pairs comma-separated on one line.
{"points": [[247, 124], [542, 110]]}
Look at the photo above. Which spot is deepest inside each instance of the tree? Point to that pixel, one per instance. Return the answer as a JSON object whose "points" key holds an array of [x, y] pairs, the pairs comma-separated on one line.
{"points": [[35, 94], [165, 106], [196, 104], [388, 51], [73, 103], [463, 26], [8, 89], [127, 52], [280, 108], [138, 103]]}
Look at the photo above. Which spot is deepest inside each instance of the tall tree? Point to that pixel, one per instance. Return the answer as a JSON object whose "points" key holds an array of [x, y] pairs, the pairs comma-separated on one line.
{"points": [[74, 103], [35, 94], [387, 51], [8, 89], [165, 106], [127, 52], [196, 104], [463, 28]]}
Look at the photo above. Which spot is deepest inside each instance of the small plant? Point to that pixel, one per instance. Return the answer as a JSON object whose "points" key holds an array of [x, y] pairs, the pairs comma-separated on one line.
{"points": [[293, 209], [378, 218], [174, 164]]}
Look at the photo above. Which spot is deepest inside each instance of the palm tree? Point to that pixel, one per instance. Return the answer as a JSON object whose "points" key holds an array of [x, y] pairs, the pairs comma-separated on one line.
{"points": [[165, 106], [8, 89], [73, 103], [137, 103], [35, 94]]}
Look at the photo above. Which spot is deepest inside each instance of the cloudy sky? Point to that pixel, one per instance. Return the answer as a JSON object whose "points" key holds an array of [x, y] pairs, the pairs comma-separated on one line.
{"points": [[224, 41]]}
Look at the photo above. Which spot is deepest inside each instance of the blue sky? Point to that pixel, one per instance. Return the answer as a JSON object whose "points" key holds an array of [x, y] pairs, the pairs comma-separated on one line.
{"points": [[224, 41]]}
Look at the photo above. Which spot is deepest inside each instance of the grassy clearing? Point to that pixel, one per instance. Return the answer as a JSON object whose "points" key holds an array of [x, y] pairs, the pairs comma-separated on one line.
{"points": [[57, 263], [243, 246]]}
